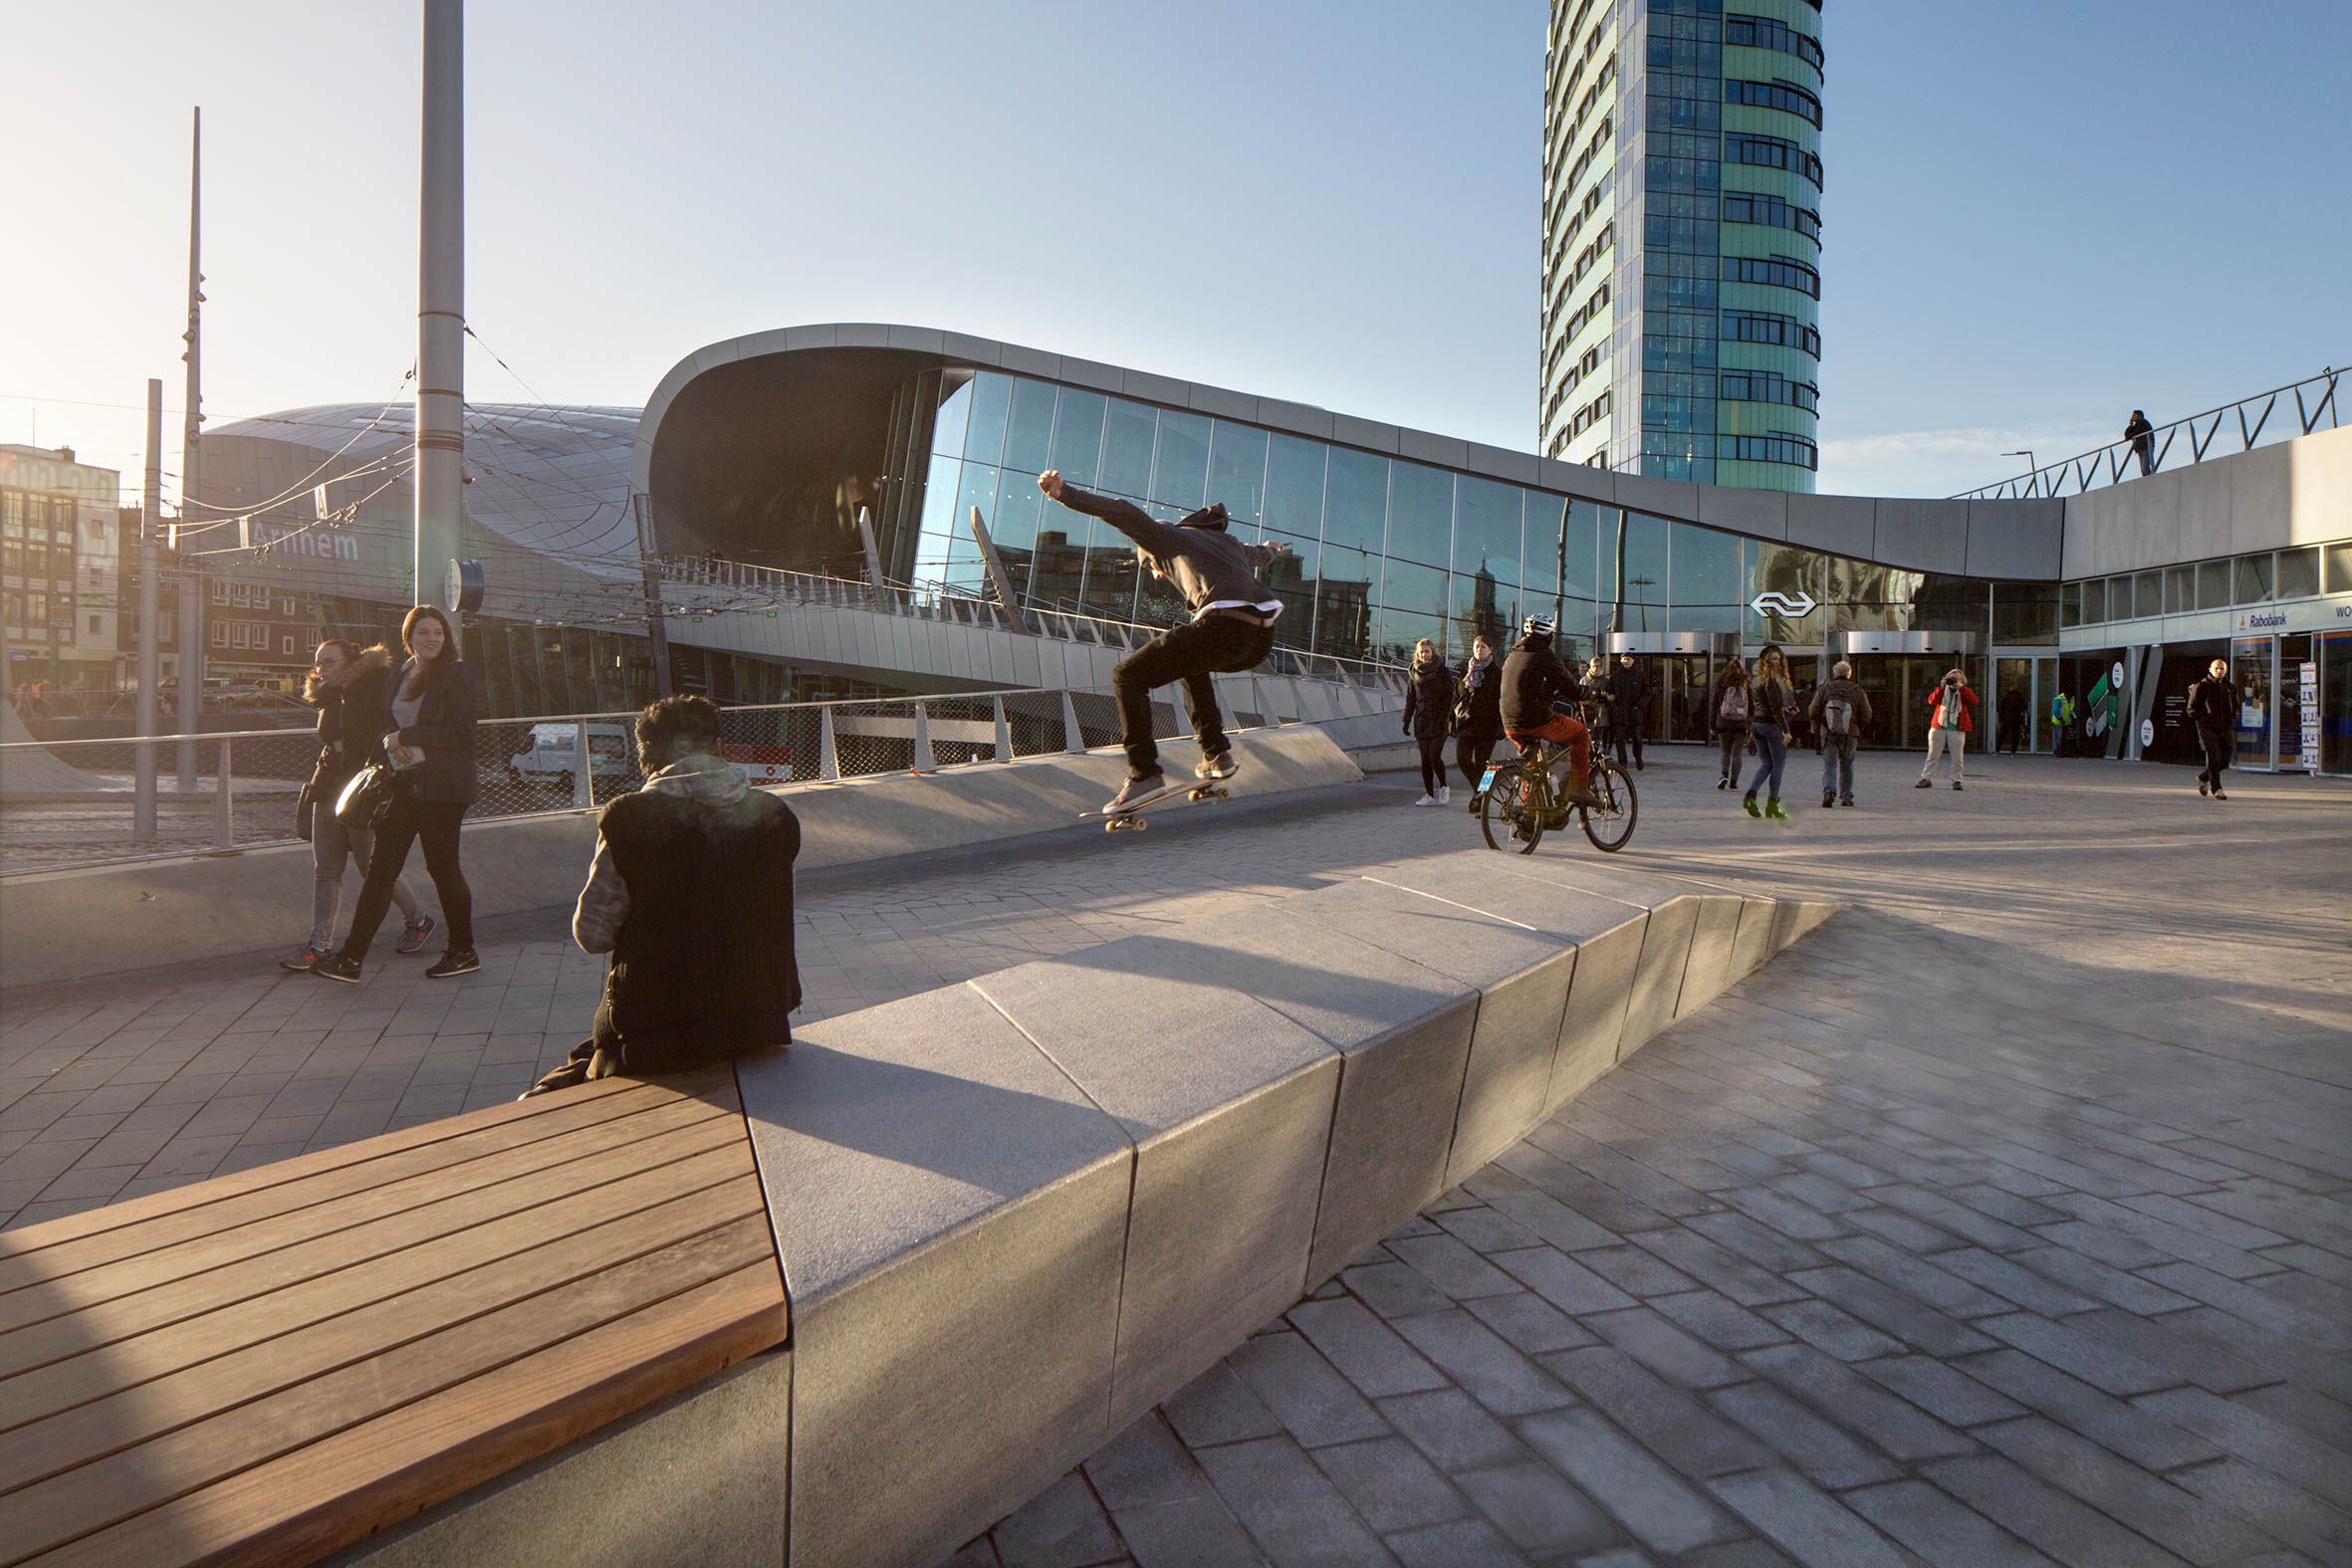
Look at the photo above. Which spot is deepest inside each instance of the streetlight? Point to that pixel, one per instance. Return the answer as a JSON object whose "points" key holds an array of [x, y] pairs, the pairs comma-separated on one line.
{"points": [[2033, 476]]}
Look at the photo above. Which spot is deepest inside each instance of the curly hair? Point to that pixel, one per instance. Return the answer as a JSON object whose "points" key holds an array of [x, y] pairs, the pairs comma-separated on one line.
{"points": [[678, 727]]}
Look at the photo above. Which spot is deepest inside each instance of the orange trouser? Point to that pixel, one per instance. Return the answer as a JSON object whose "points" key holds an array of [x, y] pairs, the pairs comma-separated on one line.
{"points": [[1562, 729]]}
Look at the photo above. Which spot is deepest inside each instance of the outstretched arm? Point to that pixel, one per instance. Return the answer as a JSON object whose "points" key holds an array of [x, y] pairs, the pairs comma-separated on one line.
{"points": [[1126, 516], [1264, 553]]}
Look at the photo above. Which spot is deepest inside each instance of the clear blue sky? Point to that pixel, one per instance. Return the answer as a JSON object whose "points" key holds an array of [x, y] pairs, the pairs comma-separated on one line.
{"points": [[2037, 216]]}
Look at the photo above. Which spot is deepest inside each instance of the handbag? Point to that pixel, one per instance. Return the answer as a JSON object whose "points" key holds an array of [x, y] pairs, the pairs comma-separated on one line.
{"points": [[368, 797], [306, 811]]}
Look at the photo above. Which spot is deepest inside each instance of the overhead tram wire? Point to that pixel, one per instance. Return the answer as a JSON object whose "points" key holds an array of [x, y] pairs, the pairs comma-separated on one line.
{"points": [[306, 483]]}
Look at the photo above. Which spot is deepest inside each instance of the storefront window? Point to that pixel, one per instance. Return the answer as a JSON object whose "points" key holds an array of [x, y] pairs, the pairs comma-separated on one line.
{"points": [[2148, 594], [2249, 667], [2070, 604], [2335, 690], [2094, 601], [2298, 574], [2253, 580], [2340, 567]]}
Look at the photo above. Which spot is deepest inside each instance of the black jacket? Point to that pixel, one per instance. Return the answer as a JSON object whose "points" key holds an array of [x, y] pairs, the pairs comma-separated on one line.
{"points": [[445, 728], [1767, 702], [1429, 700], [2135, 428], [2213, 705], [703, 966], [1533, 678], [1483, 703], [1629, 695], [350, 734], [1206, 565]]}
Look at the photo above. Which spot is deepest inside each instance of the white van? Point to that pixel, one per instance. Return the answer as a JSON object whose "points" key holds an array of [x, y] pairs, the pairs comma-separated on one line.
{"points": [[550, 757]]}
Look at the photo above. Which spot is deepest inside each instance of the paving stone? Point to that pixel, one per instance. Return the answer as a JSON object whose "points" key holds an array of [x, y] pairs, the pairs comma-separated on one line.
{"points": [[2163, 1513], [1390, 1485], [1664, 1420], [1655, 1505], [1562, 1281], [1921, 1278], [1665, 1349], [1218, 1407], [2284, 1510], [2144, 1439], [1062, 1527], [1826, 1327], [1634, 1271], [1946, 1392], [1366, 1351], [1291, 1510], [1857, 1404], [2276, 1446], [1483, 1364], [1537, 1511], [1467, 1543], [1449, 1427], [2034, 1511], [1198, 1532], [1940, 1529], [1451, 1267], [1532, 1325], [1393, 1290], [2072, 1351], [1805, 1523], [2005, 1278], [1145, 1463], [1812, 1444], [1717, 1266]]}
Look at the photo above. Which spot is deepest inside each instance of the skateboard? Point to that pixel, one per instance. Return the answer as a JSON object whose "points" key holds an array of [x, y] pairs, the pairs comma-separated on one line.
{"points": [[1130, 819]]}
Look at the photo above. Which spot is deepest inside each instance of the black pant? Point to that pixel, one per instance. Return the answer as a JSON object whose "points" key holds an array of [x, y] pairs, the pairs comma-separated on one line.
{"points": [[435, 822], [2217, 746], [2013, 734], [1472, 749], [1622, 730], [1219, 644], [1433, 762], [1734, 742]]}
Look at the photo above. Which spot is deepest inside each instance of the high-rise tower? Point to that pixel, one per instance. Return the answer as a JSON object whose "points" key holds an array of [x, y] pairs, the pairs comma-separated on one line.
{"points": [[1682, 239]]}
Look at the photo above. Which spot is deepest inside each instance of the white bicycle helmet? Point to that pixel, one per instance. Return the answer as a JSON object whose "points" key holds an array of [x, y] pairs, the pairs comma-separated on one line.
{"points": [[1537, 626]]}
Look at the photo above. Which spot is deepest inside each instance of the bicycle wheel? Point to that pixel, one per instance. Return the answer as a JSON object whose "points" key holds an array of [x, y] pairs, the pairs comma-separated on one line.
{"points": [[1505, 816], [1611, 824]]}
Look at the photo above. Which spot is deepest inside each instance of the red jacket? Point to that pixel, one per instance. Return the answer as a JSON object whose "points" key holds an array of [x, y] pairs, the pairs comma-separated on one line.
{"points": [[1967, 706]]}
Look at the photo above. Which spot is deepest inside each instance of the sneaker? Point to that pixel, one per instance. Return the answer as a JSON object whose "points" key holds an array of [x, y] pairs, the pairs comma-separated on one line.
{"points": [[1845, 800], [1445, 794], [1747, 802], [310, 956], [454, 961], [2202, 789], [1478, 797], [1955, 783], [1722, 784], [412, 938], [1772, 811], [2218, 793], [1135, 789], [1923, 784], [1427, 800], [1827, 801], [337, 966], [1221, 766]]}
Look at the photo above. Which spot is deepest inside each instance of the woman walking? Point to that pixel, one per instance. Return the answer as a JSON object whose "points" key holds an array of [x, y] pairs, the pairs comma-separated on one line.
{"points": [[429, 713], [1730, 720], [1478, 714], [1429, 706], [346, 685], [1768, 722]]}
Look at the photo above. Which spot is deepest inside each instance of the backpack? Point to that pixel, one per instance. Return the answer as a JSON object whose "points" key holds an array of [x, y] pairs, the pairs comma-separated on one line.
{"points": [[1735, 705], [1837, 716]]}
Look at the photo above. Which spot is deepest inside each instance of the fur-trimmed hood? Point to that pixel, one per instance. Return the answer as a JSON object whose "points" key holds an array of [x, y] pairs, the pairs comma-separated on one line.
{"points": [[369, 662]]}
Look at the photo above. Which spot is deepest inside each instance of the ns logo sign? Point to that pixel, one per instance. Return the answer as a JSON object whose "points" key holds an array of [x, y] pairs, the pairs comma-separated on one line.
{"points": [[1792, 606]]}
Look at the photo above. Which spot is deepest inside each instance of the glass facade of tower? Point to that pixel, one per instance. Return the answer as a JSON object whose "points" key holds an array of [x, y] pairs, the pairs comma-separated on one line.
{"points": [[1682, 242]]}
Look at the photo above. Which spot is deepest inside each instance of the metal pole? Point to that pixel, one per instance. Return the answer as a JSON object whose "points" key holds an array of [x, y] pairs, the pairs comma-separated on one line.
{"points": [[1004, 733], [440, 301], [584, 789], [191, 487], [151, 612], [224, 822], [656, 628]]}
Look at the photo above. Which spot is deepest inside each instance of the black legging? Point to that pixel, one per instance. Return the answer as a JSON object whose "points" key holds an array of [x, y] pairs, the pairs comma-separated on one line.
{"points": [[1735, 740], [1472, 750], [435, 823], [1433, 763]]}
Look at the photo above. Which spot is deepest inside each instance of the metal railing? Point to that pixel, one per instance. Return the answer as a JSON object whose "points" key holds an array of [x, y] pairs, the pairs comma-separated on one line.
{"points": [[67, 805], [744, 588], [2119, 460]]}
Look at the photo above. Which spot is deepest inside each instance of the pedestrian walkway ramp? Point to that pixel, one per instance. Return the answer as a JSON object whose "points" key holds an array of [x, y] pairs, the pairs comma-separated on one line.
{"points": [[853, 1300]]}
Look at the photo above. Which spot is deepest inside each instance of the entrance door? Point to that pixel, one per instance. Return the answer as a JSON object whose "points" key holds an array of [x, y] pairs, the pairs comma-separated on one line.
{"points": [[2335, 702], [1898, 686], [1678, 695], [2250, 659], [2008, 674]]}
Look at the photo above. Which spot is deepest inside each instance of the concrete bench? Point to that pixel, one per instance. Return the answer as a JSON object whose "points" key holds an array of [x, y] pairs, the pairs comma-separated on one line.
{"points": [[269, 1366]]}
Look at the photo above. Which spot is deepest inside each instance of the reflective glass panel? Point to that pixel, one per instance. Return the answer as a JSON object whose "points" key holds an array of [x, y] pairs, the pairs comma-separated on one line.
{"points": [[1580, 549], [939, 518], [1056, 576], [1409, 585], [2070, 605], [1181, 471], [1111, 571], [1395, 632], [1014, 523], [1639, 587], [1292, 575], [984, 436], [2148, 593], [1487, 528], [1294, 487], [1030, 434], [1482, 603], [1343, 600], [2024, 612], [2213, 585], [1355, 498], [1126, 448], [1543, 531], [2094, 600], [1157, 603], [955, 412], [1795, 574], [1706, 572], [1420, 513], [2339, 570], [1236, 470], [979, 489], [1077, 436], [2298, 574], [2180, 589]]}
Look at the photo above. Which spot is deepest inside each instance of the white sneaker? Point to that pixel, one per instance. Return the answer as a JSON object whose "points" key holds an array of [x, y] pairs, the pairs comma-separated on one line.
{"points": [[1427, 800], [1445, 794]]}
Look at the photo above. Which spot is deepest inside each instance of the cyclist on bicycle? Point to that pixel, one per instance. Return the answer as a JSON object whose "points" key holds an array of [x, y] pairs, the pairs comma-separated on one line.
{"points": [[1535, 678]]}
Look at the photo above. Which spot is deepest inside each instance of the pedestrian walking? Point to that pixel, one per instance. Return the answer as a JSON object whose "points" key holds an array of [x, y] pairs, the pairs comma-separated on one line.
{"points": [[1429, 708], [430, 710], [346, 685], [1629, 708], [1838, 711], [1730, 720], [2142, 435], [1768, 703], [1478, 716], [1230, 630], [1952, 714], [2212, 709], [2013, 722]]}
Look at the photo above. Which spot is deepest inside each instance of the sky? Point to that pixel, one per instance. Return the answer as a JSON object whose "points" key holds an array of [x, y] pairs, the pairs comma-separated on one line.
{"points": [[2037, 215]]}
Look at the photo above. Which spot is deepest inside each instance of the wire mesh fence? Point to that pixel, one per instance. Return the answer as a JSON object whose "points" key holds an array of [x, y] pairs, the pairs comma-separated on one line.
{"points": [[66, 804]]}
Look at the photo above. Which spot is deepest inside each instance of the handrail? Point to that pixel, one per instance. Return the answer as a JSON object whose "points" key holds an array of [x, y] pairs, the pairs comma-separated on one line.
{"points": [[2049, 480]]}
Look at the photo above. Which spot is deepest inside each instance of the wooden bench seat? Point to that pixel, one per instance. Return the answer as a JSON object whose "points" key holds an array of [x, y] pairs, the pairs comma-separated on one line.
{"points": [[266, 1367]]}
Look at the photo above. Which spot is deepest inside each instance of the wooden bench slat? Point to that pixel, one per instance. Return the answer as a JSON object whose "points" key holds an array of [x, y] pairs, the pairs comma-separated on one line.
{"points": [[423, 1198], [32, 1257], [120, 1392], [140, 1211], [64, 1508], [342, 1490]]}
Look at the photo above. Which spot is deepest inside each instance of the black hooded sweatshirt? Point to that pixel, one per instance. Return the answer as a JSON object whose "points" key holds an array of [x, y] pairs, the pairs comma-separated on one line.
{"points": [[1533, 678]]}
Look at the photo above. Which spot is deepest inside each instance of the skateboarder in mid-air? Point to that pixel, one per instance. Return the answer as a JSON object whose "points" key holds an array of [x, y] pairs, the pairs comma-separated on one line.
{"points": [[1533, 678], [1230, 630]]}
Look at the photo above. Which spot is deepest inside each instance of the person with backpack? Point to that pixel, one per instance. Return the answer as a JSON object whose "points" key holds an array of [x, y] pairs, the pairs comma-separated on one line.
{"points": [[1428, 705], [1730, 718], [1478, 714], [1838, 711], [2213, 712], [1952, 714], [1769, 703]]}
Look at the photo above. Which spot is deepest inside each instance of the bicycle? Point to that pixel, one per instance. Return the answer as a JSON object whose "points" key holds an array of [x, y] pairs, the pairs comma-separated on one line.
{"points": [[1521, 801]]}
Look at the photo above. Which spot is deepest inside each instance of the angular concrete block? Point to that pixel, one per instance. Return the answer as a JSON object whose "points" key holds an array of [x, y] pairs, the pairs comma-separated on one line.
{"points": [[1663, 498], [964, 349], [1422, 447], [951, 1214], [1223, 402], [1709, 969], [1521, 974], [1302, 419], [1594, 1024], [1581, 480], [1657, 980], [1031, 361], [1230, 1107], [1751, 944], [862, 335], [1794, 916], [1924, 536], [1369, 434], [1403, 1037], [921, 340], [2017, 540], [1091, 373], [1518, 468], [1144, 386]]}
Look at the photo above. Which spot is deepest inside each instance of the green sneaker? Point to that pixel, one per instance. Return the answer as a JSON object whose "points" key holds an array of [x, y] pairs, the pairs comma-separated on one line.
{"points": [[1747, 800]]}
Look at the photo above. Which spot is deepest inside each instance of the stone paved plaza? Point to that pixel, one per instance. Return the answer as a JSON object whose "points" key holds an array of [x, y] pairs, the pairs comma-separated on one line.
{"points": [[2007, 1219]]}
